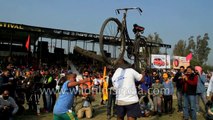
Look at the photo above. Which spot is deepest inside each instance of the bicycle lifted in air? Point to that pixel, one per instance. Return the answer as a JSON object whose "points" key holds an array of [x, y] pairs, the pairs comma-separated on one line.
{"points": [[116, 32]]}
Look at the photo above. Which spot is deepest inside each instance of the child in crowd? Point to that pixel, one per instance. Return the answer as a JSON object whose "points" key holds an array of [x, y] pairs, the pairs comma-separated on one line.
{"points": [[167, 93], [157, 96], [146, 105], [209, 109]]}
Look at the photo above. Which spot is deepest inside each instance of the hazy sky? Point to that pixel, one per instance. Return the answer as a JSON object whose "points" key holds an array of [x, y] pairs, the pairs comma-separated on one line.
{"points": [[171, 19]]}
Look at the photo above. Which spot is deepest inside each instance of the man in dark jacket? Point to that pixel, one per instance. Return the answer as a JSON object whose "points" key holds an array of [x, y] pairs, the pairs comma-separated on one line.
{"points": [[4, 80], [111, 97], [179, 92], [189, 93]]}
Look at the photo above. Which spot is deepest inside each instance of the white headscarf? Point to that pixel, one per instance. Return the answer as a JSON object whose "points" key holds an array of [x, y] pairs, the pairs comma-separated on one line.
{"points": [[210, 87]]}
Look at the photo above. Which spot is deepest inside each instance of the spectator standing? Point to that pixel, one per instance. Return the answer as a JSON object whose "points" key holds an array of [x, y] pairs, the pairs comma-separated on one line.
{"points": [[179, 87], [201, 91], [96, 83], [49, 85], [189, 92], [210, 87], [111, 97], [147, 83], [156, 75], [4, 80], [167, 93], [157, 96]]}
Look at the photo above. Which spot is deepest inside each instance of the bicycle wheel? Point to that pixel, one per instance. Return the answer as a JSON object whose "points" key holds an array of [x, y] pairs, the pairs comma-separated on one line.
{"points": [[111, 33]]}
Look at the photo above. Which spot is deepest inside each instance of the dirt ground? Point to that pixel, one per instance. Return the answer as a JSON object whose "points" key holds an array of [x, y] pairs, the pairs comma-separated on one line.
{"points": [[100, 113]]}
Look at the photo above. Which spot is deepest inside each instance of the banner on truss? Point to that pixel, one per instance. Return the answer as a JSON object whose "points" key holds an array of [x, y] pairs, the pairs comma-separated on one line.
{"points": [[180, 61], [160, 61]]}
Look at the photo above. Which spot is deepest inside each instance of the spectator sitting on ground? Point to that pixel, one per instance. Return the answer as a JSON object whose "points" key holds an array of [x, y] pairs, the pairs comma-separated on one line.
{"points": [[209, 109], [146, 105], [86, 104], [8, 107]]}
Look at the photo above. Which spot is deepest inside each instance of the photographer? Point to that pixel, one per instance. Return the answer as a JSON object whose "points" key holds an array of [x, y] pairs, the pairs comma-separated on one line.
{"points": [[189, 93], [8, 107], [86, 103], [86, 76]]}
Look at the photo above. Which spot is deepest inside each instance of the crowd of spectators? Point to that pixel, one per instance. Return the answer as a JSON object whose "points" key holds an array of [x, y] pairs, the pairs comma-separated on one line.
{"points": [[24, 84]]}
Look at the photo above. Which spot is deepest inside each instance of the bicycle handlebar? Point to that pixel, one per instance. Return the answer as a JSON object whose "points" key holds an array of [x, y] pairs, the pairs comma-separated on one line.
{"points": [[126, 9]]}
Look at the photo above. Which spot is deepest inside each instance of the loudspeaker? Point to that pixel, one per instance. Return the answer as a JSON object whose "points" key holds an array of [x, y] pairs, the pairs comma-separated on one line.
{"points": [[59, 51], [42, 44]]}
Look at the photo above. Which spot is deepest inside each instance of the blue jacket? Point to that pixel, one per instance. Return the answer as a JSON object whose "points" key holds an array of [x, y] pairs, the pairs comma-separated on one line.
{"points": [[168, 88], [146, 84], [201, 84]]}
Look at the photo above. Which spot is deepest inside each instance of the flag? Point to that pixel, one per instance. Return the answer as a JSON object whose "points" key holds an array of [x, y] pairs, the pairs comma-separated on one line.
{"points": [[189, 57], [105, 85], [27, 45]]}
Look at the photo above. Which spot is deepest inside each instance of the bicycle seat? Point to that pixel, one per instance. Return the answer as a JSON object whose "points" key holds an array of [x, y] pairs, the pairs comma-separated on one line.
{"points": [[137, 28]]}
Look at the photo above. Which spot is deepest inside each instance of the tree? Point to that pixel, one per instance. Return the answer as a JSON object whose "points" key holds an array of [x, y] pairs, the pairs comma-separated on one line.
{"points": [[156, 39], [180, 48], [202, 51], [198, 47]]}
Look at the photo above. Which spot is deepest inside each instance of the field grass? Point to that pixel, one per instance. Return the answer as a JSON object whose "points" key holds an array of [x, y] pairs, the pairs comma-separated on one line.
{"points": [[100, 114]]}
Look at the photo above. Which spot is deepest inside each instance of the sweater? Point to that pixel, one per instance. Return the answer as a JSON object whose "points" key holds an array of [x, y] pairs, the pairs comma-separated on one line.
{"points": [[190, 85], [10, 102]]}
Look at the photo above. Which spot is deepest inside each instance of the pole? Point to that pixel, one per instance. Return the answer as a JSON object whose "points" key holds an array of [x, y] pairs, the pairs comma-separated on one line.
{"points": [[150, 53], [55, 43], [61, 42], [40, 55], [166, 59], [93, 46], [11, 39], [51, 42], [68, 47]]}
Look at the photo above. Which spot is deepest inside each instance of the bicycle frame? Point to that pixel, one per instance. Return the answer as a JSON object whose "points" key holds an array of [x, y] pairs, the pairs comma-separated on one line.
{"points": [[132, 50], [121, 35], [124, 23]]}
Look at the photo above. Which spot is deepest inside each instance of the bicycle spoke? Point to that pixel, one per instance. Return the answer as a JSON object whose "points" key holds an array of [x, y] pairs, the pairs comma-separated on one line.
{"points": [[111, 29]]}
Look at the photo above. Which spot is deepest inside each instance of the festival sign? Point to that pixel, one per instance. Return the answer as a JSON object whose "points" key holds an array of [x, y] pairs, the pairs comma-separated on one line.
{"points": [[180, 61], [160, 61]]}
